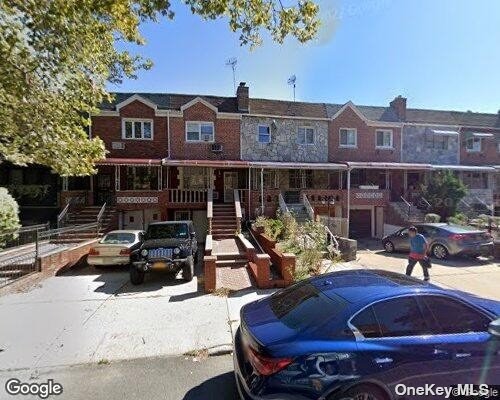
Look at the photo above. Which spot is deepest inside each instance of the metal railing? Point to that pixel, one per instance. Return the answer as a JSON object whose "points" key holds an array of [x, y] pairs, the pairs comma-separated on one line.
{"points": [[63, 215], [210, 209], [25, 235], [237, 207], [308, 207], [408, 204], [99, 217], [187, 196], [282, 203]]}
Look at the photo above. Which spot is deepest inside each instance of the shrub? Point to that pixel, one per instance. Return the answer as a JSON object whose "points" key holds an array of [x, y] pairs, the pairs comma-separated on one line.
{"points": [[432, 217], [458, 219], [9, 219]]}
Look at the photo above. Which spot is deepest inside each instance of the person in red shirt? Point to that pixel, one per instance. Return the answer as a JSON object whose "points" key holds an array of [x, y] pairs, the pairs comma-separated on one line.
{"points": [[418, 253]]}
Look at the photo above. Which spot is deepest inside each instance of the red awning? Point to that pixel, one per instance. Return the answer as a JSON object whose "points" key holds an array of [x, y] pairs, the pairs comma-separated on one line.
{"points": [[207, 163], [130, 161]]}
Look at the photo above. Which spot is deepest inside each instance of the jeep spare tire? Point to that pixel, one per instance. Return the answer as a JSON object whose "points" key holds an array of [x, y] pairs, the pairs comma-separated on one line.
{"points": [[188, 269], [136, 276]]}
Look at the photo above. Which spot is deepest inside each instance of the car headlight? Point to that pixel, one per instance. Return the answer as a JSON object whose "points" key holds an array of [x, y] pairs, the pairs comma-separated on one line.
{"points": [[177, 251], [144, 252]]}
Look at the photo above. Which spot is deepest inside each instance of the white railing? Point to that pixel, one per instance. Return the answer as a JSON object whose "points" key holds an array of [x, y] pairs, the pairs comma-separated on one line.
{"points": [[210, 209], [187, 195], [307, 205], [61, 218], [283, 207], [237, 207], [100, 215]]}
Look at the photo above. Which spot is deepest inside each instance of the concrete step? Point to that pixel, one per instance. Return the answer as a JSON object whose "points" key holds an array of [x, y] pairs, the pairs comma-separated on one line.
{"points": [[221, 236]]}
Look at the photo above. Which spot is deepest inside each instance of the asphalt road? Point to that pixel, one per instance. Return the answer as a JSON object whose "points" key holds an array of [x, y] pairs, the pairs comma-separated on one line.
{"points": [[162, 378]]}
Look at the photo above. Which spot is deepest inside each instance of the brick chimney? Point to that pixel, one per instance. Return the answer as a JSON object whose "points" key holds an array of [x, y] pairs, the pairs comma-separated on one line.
{"points": [[399, 106], [242, 96]]}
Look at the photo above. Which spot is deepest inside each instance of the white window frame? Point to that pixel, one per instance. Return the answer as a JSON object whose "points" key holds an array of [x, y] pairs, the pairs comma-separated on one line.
{"points": [[200, 123], [348, 146], [384, 131], [306, 128], [473, 149], [133, 121], [258, 133]]}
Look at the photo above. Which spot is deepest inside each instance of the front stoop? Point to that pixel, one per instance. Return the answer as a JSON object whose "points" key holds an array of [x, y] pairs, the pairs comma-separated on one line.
{"points": [[224, 225]]}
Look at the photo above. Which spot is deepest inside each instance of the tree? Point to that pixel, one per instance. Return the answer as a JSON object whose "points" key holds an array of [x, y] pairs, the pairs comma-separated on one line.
{"points": [[444, 191], [9, 219], [57, 56]]}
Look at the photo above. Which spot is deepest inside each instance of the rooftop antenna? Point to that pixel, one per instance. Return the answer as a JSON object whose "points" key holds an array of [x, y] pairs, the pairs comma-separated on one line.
{"points": [[291, 82], [231, 62]]}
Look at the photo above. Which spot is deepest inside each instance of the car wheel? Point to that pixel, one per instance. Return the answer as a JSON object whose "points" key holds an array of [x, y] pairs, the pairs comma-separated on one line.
{"points": [[439, 251], [136, 276], [389, 247], [362, 392], [188, 269]]}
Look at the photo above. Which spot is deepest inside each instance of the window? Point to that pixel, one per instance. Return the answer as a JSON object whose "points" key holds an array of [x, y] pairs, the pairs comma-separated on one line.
{"points": [[141, 178], [300, 179], [400, 317], [444, 314], [475, 180], [264, 134], [439, 142], [199, 131], [305, 135], [194, 178], [366, 323], [182, 215], [348, 137], [384, 139], [473, 145], [137, 129]]}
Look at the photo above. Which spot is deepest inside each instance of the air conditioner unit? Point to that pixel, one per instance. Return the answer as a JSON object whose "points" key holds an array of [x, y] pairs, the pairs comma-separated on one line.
{"points": [[216, 147], [117, 145], [207, 138]]}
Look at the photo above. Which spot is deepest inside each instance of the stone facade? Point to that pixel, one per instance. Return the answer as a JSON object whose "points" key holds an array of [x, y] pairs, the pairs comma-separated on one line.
{"points": [[420, 145], [284, 144]]}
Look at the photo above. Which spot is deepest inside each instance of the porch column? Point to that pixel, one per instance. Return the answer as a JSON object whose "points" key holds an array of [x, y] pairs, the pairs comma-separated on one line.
{"points": [[387, 179], [405, 180], [160, 177], [117, 178], [249, 192], [348, 199], [262, 190], [65, 183]]}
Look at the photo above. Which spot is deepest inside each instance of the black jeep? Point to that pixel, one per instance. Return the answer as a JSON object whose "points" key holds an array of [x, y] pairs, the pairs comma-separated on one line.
{"points": [[168, 246]]}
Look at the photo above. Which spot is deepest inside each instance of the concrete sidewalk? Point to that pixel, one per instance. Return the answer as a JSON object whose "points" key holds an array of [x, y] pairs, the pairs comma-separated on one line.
{"points": [[88, 316]]}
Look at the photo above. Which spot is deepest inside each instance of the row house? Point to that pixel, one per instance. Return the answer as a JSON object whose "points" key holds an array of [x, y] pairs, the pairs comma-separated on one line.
{"points": [[170, 154]]}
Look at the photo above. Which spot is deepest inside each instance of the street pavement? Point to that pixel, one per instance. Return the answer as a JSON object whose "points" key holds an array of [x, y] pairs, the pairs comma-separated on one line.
{"points": [[158, 378]]}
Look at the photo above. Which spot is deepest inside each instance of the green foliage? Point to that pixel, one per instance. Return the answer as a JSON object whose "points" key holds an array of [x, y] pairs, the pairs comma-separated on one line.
{"points": [[444, 191], [432, 217], [458, 219], [9, 219], [58, 55], [29, 191]]}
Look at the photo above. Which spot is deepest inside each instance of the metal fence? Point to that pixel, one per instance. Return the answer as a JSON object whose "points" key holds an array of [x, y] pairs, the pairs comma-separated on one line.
{"points": [[21, 260]]}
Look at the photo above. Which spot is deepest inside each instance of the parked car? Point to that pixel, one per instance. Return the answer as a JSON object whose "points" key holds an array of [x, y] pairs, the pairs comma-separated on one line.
{"points": [[444, 240], [168, 246], [115, 248], [357, 334]]}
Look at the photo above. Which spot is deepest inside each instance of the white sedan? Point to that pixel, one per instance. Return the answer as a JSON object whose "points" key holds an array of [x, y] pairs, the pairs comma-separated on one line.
{"points": [[115, 248]]}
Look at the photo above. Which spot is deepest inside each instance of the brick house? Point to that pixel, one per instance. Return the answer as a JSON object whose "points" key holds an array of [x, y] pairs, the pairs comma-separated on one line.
{"points": [[169, 155]]}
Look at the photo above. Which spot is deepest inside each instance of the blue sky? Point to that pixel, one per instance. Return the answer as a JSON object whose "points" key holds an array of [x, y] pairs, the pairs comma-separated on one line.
{"points": [[441, 54]]}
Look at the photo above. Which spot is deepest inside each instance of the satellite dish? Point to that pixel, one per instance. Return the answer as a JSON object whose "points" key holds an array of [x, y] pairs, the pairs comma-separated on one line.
{"points": [[291, 81], [231, 62]]}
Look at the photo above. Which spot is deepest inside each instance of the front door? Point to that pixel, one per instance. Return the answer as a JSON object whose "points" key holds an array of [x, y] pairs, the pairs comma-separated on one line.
{"points": [[230, 183], [103, 189]]}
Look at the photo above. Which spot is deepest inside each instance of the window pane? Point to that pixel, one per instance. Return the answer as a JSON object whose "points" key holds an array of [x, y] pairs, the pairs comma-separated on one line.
{"points": [[310, 136], [351, 138], [147, 130], [137, 130], [193, 136], [400, 317], [263, 130], [343, 137], [264, 138], [445, 312], [207, 132], [193, 131], [366, 323], [301, 137], [128, 129]]}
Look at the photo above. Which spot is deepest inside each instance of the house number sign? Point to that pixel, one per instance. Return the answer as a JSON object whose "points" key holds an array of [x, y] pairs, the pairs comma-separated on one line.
{"points": [[136, 200], [369, 195]]}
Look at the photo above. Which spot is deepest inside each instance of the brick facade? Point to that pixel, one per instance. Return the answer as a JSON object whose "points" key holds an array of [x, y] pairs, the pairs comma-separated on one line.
{"points": [[226, 133], [109, 129], [489, 154], [366, 140]]}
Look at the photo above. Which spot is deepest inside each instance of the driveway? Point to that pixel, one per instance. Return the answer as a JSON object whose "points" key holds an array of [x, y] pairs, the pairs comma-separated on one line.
{"points": [[90, 316], [479, 276]]}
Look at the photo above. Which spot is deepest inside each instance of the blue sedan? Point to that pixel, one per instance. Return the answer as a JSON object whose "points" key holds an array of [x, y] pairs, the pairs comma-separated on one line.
{"points": [[364, 334]]}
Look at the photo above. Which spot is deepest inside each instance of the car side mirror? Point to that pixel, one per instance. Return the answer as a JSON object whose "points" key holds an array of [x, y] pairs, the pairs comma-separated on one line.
{"points": [[494, 328]]}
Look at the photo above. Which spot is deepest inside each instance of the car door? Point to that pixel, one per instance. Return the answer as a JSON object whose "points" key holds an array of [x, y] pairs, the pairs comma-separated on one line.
{"points": [[402, 240], [394, 346], [462, 335]]}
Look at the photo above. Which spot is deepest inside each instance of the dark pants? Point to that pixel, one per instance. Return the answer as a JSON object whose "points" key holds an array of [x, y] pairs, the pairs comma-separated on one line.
{"points": [[425, 263]]}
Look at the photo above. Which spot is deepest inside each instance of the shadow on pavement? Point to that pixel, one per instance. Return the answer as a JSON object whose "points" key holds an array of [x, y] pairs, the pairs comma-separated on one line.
{"points": [[221, 387]]}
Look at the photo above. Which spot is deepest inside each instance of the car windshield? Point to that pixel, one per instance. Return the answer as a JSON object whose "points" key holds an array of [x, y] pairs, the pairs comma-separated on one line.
{"points": [[118, 238], [168, 231], [304, 305]]}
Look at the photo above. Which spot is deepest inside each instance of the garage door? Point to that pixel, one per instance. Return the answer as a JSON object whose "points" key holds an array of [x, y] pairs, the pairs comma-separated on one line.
{"points": [[360, 224]]}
